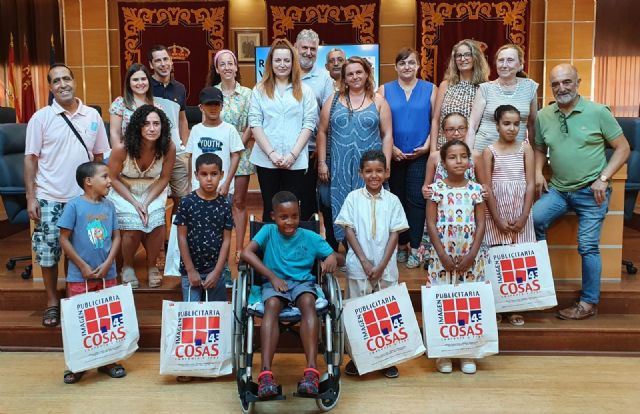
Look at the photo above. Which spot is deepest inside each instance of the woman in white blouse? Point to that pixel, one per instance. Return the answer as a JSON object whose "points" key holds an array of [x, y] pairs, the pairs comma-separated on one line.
{"points": [[282, 115]]}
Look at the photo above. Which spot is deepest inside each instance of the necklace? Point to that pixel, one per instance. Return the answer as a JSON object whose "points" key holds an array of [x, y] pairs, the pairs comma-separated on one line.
{"points": [[510, 94], [351, 108]]}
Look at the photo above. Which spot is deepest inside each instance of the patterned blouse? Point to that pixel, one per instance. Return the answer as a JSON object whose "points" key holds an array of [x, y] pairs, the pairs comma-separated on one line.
{"points": [[235, 111], [457, 98]]}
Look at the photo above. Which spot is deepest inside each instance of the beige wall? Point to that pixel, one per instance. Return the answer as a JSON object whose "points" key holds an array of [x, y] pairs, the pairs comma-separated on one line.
{"points": [[560, 31]]}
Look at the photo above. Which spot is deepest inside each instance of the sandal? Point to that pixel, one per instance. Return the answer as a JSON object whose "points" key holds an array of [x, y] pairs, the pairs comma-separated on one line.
{"points": [[72, 377], [129, 276], [51, 316], [113, 370], [516, 320], [155, 277]]}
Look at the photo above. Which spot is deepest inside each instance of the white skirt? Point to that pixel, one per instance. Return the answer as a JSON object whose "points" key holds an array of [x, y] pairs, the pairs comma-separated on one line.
{"points": [[128, 217]]}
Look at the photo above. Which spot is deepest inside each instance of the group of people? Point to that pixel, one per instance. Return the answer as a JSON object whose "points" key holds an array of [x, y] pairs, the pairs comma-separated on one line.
{"points": [[400, 174]]}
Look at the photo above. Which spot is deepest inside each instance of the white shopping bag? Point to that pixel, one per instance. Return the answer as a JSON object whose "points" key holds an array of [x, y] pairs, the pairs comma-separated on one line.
{"points": [[521, 277], [99, 328], [459, 321], [382, 329], [196, 339], [172, 258]]}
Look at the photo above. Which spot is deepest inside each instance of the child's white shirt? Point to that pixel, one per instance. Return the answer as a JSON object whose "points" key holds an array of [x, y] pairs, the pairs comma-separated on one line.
{"points": [[372, 217], [221, 140]]}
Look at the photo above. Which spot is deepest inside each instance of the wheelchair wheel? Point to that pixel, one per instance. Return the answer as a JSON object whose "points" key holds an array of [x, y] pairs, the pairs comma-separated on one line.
{"points": [[329, 403], [247, 407]]}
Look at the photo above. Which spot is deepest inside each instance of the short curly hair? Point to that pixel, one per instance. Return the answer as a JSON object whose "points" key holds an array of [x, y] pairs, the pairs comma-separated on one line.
{"points": [[133, 135]]}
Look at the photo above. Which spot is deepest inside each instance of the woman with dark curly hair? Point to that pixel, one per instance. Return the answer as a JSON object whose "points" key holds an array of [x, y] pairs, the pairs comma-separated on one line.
{"points": [[140, 168]]}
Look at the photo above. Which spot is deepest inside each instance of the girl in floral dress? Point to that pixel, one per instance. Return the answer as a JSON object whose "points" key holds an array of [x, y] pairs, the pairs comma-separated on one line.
{"points": [[456, 225]]}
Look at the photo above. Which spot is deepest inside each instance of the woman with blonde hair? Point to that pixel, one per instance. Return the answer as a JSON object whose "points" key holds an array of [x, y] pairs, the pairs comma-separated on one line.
{"points": [[282, 114], [353, 120], [512, 87], [467, 69]]}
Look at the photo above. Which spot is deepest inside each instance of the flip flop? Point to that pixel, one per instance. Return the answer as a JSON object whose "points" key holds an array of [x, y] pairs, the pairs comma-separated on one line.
{"points": [[72, 377], [516, 320], [113, 370], [51, 316]]}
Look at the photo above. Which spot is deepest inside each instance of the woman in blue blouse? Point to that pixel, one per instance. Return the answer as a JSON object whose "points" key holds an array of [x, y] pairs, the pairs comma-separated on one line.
{"points": [[282, 114], [410, 100]]}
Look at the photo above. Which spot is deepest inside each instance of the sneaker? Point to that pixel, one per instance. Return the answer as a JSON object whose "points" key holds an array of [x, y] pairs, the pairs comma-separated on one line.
{"points": [[267, 386], [309, 383], [468, 366], [401, 256], [444, 365], [351, 369], [391, 372], [412, 262]]}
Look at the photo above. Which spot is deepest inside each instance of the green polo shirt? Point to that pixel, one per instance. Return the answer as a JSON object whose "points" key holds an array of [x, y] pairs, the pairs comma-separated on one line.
{"points": [[577, 156]]}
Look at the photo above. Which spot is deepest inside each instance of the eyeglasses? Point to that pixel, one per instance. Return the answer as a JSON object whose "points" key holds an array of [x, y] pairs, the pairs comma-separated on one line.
{"points": [[564, 128], [461, 56], [460, 130]]}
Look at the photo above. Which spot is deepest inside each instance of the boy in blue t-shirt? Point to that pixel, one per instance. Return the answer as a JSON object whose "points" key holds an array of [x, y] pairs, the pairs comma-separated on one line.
{"points": [[90, 238], [204, 223], [289, 253]]}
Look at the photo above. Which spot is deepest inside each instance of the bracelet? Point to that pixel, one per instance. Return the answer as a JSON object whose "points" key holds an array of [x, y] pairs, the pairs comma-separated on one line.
{"points": [[323, 161], [269, 155], [294, 157]]}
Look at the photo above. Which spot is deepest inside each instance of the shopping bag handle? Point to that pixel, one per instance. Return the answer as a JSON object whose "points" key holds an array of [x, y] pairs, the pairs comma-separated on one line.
{"points": [[86, 285], [206, 294]]}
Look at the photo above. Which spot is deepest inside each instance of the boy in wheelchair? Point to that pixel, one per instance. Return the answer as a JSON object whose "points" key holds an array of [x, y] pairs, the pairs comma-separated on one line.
{"points": [[289, 253]]}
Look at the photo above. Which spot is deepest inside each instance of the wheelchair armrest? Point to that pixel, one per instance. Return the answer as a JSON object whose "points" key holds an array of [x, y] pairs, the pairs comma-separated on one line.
{"points": [[12, 190], [243, 266]]}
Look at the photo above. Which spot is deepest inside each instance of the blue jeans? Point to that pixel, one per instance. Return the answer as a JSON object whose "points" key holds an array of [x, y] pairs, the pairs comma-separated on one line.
{"points": [[406, 182], [197, 294], [554, 204]]}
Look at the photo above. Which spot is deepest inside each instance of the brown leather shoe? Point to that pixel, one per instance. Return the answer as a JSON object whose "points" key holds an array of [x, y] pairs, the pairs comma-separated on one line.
{"points": [[577, 312]]}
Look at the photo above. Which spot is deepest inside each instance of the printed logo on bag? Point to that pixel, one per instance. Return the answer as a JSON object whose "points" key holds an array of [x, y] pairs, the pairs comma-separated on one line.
{"points": [[198, 334], [381, 324], [517, 274], [459, 314], [101, 322]]}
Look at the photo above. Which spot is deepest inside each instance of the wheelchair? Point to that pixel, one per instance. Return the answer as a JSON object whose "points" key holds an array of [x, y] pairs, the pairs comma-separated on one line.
{"points": [[330, 338]]}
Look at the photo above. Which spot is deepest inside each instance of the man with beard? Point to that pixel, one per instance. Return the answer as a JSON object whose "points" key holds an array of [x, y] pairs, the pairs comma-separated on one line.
{"points": [[574, 132], [318, 79]]}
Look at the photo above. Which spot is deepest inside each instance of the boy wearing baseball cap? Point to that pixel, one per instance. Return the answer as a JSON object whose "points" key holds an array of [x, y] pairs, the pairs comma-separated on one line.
{"points": [[213, 135]]}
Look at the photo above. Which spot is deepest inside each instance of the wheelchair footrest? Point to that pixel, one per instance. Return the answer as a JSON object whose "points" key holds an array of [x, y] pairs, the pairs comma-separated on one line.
{"points": [[251, 394]]}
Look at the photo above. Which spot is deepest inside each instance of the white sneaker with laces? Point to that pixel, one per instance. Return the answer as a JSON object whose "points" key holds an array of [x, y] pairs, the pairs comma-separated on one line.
{"points": [[444, 365], [468, 366]]}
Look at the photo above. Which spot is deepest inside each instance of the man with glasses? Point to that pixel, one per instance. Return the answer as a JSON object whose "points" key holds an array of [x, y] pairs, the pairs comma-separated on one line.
{"points": [[335, 61], [574, 131]]}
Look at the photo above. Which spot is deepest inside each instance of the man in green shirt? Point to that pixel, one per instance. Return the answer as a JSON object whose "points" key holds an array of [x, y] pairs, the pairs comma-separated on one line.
{"points": [[573, 131]]}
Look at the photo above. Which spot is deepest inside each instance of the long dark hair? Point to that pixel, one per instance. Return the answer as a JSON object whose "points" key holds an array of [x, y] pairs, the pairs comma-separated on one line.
{"points": [[128, 93], [133, 134]]}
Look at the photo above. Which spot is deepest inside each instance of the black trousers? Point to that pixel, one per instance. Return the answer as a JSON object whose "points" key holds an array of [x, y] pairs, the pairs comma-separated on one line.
{"points": [[273, 180]]}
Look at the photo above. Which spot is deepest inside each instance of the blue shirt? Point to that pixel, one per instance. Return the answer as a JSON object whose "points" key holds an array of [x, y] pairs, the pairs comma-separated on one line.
{"points": [[411, 119], [173, 91], [282, 119], [291, 258], [321, 84], [92, 226], [206, 221]]}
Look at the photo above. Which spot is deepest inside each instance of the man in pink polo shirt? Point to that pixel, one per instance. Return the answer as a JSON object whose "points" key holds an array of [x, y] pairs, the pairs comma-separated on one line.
{"points": [[60, 137]]}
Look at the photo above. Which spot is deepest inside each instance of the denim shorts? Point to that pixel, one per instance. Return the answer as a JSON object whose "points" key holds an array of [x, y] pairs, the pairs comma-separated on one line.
{"points": [[296, 288], [199, 294]]}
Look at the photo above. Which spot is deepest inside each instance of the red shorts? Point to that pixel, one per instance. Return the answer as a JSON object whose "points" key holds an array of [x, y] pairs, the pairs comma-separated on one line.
{"points": [[93, 285]]}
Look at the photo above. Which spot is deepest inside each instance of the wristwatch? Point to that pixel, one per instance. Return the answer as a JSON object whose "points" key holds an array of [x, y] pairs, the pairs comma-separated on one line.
{"points": [[604, 178], [182, 147]]}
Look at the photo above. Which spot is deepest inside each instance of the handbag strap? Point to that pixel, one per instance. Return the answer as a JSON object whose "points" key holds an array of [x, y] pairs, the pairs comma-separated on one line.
{"points": [[76, 133], [336, 96]]}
